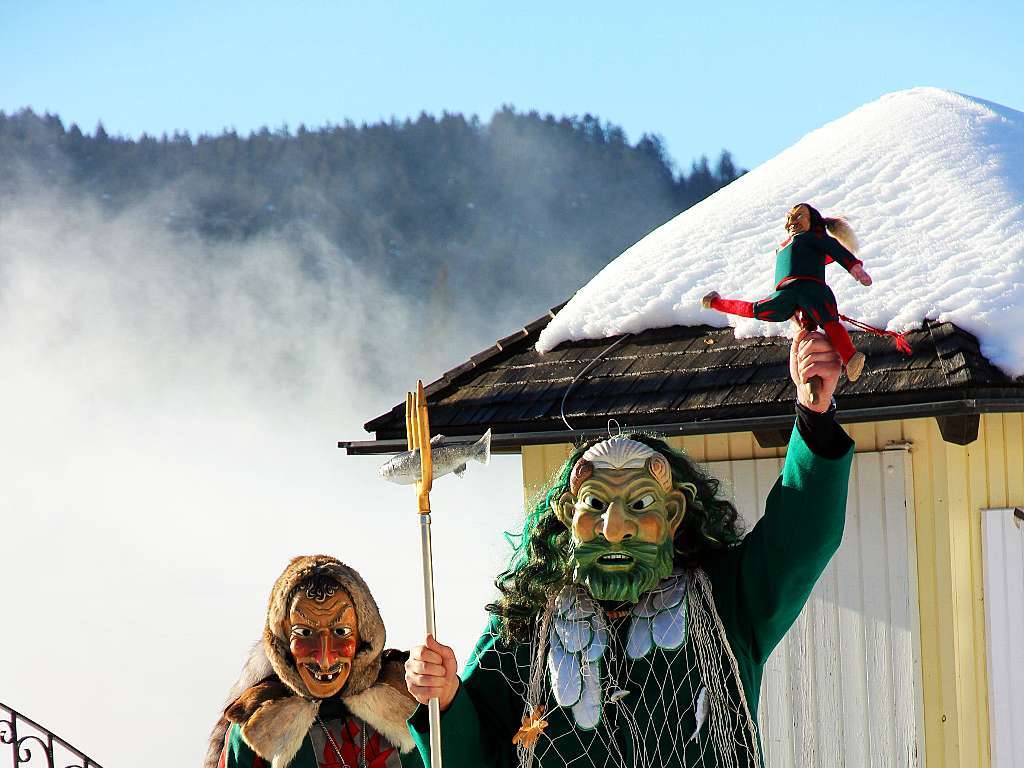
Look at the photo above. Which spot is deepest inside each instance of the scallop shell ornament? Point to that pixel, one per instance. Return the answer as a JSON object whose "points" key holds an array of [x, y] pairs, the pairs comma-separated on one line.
{"points": [[619, 453]]}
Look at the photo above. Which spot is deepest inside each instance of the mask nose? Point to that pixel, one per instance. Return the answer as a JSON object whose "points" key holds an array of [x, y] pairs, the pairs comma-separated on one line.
{"points": [[323, 654], [614, 525], [330, 654]]}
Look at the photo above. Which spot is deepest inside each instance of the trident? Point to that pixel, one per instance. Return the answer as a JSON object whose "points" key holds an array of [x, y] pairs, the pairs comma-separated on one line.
{"points": [[417, 430]]}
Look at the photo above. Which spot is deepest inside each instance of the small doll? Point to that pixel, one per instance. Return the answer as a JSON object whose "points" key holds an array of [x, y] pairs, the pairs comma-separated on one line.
{"points": [[800, 287]]}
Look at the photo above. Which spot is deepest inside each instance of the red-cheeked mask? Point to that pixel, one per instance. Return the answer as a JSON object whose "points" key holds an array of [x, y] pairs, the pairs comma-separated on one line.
{"points": [[323, 637]]}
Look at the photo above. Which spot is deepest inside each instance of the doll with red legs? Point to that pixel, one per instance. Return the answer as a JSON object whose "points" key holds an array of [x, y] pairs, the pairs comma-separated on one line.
{"points": [[800, 289]]}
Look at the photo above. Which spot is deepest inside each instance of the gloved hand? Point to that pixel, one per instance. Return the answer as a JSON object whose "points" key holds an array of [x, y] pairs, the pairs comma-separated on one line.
{"points": [[861, 274]]}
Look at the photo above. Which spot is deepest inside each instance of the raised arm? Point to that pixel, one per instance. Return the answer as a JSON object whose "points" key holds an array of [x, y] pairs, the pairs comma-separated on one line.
{"points": [[781, 559], [837, 252]]}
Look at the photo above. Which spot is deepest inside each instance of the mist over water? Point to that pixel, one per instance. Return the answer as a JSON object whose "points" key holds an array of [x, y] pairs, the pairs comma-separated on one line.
{"points": [[171, 409]]}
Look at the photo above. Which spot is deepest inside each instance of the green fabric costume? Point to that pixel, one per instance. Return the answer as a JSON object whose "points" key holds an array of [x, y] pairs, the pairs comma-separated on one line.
{"points": [[759, 588], [800, 285], [805, 255], [800, 279]]}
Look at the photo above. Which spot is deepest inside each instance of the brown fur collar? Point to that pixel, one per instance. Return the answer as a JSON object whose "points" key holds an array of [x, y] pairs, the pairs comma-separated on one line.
{"points": [[274, 720], [387, 705], [277, 728], [252, 698]]}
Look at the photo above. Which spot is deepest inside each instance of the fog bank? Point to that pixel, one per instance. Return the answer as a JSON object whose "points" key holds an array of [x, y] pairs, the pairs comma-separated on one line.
{"points": [[171, 409]]}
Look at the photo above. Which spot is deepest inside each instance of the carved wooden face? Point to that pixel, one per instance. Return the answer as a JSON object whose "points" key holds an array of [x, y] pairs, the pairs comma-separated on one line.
{"points": [[798, 220], [623, 522], [323, 637]]}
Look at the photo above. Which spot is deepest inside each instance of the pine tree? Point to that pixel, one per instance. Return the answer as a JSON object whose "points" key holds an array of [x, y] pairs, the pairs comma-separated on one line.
{"points": [[725, 171]]}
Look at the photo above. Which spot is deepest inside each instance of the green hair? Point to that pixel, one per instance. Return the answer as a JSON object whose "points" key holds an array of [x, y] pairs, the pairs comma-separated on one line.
{"points": [[540, 565]]}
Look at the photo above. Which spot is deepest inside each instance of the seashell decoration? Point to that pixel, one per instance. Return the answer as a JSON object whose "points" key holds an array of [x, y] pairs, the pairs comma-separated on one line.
{"points": [[619, 453]]}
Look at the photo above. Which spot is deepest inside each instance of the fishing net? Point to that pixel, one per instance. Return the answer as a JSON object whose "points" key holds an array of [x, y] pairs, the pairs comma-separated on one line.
{"points": [[652, 686]]}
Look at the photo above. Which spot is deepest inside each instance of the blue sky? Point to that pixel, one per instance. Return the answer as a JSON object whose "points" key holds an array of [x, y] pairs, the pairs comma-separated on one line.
{"points": [[749, 76]]}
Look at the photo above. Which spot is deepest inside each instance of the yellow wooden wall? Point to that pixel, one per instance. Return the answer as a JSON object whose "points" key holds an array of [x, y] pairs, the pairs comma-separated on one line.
{"points": [[952, 484]]}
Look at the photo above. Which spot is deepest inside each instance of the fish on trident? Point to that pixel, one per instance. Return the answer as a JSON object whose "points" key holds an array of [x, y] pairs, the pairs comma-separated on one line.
{"points": [[404, 468]]}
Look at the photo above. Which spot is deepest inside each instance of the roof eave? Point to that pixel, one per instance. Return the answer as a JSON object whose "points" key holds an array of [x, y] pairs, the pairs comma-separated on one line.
{"points": [[512, 442], [451, 378]]}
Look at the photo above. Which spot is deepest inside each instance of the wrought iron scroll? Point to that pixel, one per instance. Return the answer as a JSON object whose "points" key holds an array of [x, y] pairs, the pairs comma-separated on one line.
{"points": [[32, 746]]}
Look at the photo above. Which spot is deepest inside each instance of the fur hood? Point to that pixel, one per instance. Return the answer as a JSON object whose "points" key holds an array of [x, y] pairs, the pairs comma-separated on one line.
{"points": [[365, 665], [275, 709]]}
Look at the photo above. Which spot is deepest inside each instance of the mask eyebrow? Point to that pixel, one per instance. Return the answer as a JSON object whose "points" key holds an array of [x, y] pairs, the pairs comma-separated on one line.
{"points": [[341, 613], [312, 622]]}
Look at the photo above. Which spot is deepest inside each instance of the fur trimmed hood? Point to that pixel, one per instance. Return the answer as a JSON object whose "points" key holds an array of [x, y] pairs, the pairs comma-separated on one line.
{"points": [[272, 705], [365, 665]]}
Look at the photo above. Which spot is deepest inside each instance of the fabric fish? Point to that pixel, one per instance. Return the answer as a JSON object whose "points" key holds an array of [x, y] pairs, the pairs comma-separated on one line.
{"points": [[577, 640], [404, 469]]}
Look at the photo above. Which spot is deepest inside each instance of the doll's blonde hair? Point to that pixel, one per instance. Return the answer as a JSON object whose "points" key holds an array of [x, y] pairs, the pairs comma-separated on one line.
{"points": [[841, 230]]}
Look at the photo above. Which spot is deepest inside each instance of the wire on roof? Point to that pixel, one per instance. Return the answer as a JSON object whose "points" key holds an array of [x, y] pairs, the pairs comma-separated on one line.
{"points": [[589, 365]]}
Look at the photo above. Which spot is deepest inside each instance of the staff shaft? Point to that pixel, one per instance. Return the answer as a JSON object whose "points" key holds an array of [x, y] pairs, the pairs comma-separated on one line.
{"points": [[433, 706]]}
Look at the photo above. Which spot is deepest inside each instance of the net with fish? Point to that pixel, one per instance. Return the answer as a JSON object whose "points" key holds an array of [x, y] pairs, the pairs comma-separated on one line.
{"points": [[654, 686]]}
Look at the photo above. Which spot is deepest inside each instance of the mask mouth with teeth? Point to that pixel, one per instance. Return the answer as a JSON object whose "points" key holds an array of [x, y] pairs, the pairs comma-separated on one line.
{"points": [[322, 676], [323, 636], [622, 574]]}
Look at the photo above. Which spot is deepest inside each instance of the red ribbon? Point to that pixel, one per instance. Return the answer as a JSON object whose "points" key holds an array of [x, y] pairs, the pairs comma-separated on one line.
{"points": [[900, 339]]}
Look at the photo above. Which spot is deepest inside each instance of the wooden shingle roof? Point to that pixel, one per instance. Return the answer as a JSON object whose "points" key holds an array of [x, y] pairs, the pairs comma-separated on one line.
{"points": [[691, 380]]}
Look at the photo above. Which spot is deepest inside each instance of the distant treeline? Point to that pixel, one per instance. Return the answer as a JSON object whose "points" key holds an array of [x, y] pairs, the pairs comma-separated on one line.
{"points": [[517, 211]]}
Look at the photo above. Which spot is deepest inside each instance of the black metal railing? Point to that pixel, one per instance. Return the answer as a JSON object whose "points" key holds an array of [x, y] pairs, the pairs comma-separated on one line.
{"points": [[33, 746]]}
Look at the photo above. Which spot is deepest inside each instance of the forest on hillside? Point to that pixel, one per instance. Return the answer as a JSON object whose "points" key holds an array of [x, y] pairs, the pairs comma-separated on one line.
{"points": [[474, 218]]}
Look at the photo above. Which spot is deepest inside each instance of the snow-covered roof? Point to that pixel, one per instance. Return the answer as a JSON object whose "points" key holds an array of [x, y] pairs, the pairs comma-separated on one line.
{"points": [[932, 182]]}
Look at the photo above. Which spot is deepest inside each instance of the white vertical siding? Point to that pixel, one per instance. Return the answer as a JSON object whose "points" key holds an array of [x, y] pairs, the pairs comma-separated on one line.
{"points": [[843, 688], [1003, 552]]}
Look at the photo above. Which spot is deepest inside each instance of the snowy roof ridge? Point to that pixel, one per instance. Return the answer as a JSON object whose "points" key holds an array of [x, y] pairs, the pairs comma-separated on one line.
{"points": [[931, 180]]}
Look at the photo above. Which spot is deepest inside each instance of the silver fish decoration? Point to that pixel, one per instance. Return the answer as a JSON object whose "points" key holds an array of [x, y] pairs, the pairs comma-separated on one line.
{"points": [[700, 714], [404, 468], [618, 695]]}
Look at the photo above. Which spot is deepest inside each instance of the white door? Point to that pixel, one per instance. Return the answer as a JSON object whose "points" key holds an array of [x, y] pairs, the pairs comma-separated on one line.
{"points": [[1003, 549], [843, 688]]}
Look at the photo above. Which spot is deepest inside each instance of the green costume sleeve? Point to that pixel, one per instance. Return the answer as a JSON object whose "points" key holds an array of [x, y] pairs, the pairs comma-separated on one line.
{"points": [[478, 726], [411, 759], [237, 752], [780, 560], [839, 254]]}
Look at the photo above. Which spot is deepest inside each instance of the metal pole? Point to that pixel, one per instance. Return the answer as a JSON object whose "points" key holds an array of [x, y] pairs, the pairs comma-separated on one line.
{"points": [[433, 706], [417, 425]]}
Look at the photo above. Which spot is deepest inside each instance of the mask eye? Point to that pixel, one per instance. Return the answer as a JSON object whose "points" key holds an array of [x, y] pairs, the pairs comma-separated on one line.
{"points": [[643, 502], [299, 631], [342, 631], [594, 503]]}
